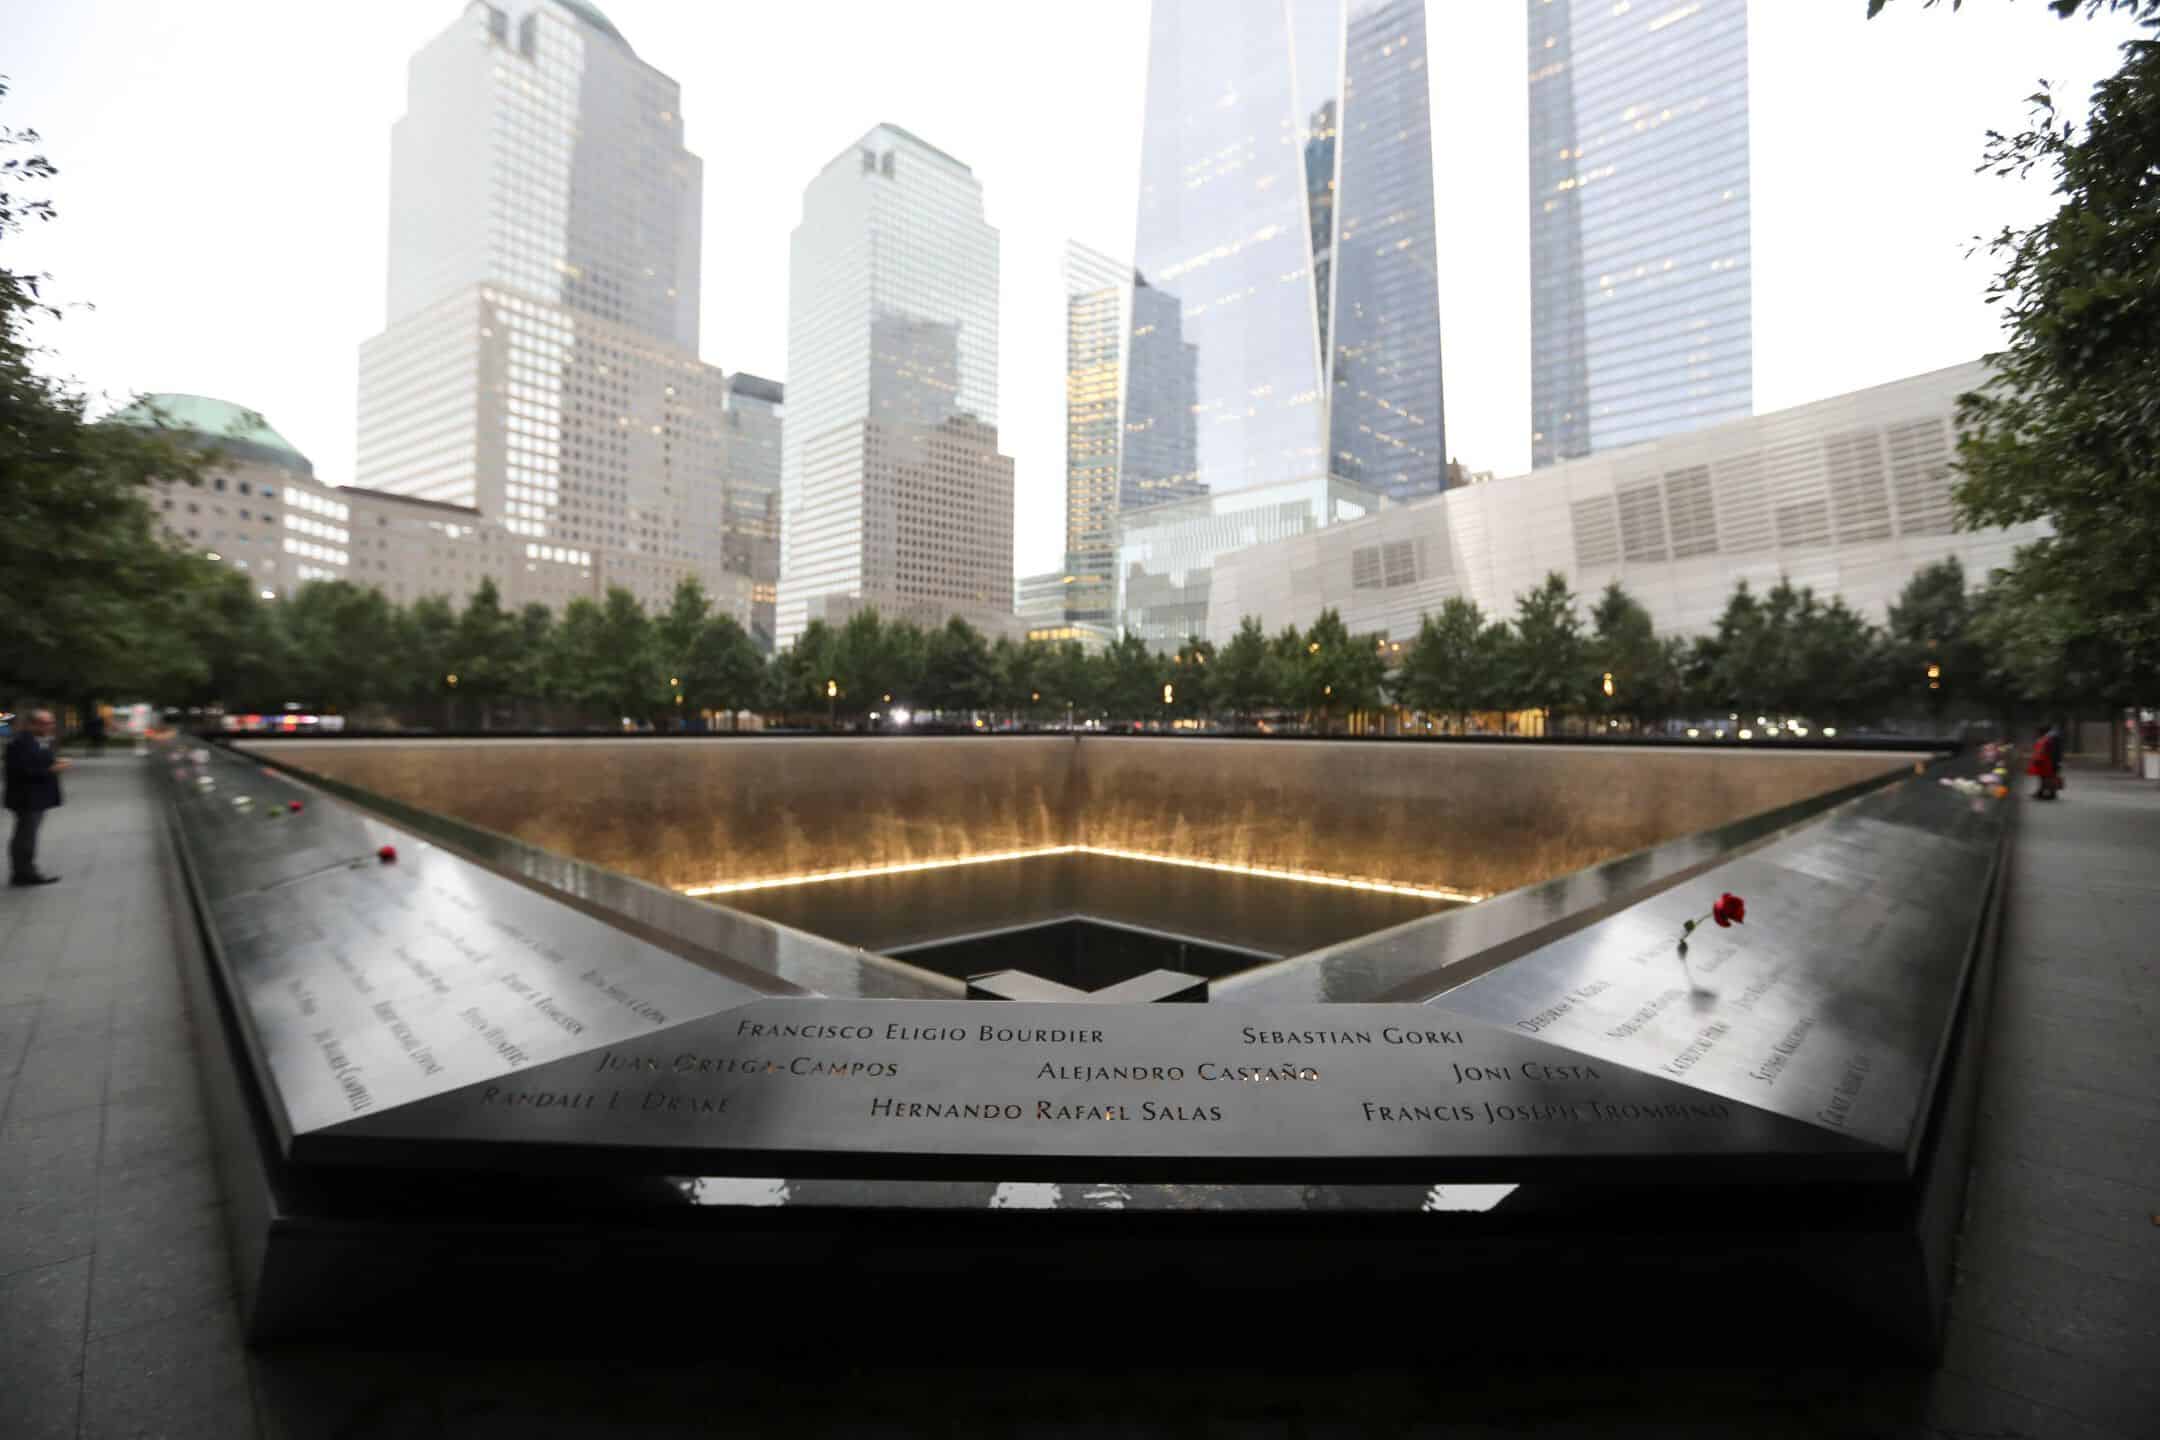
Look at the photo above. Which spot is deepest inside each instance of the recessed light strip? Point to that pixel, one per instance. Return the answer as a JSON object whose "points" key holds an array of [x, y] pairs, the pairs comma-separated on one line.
{"points": [[909, 867]]}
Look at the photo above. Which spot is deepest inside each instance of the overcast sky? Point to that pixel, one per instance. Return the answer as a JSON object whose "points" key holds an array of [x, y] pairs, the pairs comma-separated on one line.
{"points": [[225, 179]]}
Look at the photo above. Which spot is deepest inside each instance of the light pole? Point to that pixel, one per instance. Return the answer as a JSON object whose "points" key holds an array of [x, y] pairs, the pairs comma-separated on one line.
{"points": [[832, 703]]}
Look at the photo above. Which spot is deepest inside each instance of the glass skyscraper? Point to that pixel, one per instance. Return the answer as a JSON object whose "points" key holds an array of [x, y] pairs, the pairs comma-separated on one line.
{"points": [[1641, 320], [1284, 348], [893, 492], [540, 358]]}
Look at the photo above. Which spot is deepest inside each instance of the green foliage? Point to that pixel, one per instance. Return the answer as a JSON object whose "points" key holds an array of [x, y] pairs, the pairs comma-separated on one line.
{"points": [[723, 670], [1337, 672], [2067, 429], [1192, 680], [1548, 662], [1624, 648], [1243, 672], [1132, 680], [1456, 664], [958, 673]]}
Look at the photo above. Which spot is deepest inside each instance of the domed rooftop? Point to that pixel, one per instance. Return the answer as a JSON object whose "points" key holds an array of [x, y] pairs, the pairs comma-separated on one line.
{"points": [[592, 15], [219, 422]]}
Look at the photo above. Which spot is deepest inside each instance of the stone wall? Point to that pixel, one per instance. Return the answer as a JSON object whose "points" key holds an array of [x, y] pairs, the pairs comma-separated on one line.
{"points": [[1473, 818]]}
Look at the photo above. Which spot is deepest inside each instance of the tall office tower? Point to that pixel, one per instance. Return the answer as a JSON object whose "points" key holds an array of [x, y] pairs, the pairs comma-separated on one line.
{"points": [[540, 358], [893, 493], [1640, 319], [1095, 291], [1283, 364], [750, 528]]}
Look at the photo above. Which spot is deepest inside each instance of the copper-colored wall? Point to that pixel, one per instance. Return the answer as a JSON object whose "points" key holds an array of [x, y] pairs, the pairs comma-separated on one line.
{"points": [[1480, 818], [703, 811]]}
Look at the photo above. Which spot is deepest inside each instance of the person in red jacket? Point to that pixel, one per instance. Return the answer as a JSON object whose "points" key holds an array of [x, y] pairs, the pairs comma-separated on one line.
{"points": [[2044, 765]]}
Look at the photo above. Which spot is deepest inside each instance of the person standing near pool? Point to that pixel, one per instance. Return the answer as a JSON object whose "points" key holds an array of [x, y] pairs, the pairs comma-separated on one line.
{"points": [[33, 787]]}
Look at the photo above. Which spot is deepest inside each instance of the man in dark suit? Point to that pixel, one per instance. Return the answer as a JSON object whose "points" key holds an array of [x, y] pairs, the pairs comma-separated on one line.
{"points": [[33, 787]]}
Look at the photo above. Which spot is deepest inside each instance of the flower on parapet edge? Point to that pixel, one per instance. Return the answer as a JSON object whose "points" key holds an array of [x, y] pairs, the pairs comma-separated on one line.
{"points": [[1729, 910], [386, 854]]}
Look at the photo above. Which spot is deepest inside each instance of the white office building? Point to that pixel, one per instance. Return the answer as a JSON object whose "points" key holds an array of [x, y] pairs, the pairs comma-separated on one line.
{"points": [[540, 360], [893, 493], [1849, 495]]}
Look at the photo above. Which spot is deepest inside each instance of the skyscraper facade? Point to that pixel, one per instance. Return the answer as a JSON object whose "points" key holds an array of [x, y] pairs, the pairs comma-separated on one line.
{"points": [[540, 358], [893, 493], [1283, 355], [1095, 290], [1641, 321]]}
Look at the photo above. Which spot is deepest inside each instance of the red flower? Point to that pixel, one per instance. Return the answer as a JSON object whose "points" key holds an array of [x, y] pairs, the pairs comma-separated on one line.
{"points": [[293, 805], [1729, 910], [386, 854]]}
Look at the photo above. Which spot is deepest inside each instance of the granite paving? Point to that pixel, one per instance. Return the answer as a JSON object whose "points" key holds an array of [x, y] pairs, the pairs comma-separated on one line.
{"points": [[117, 1313]]}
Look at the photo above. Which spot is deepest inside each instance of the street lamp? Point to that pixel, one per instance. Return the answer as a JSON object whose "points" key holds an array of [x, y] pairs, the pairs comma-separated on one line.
{"points": [[1608, 684], [452, 679], [832, 693], [1166, 694]]}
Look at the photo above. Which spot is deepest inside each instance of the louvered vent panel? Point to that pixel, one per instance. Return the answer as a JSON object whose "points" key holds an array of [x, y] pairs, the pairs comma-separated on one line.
{"points": [[1689, 514], [1597, 531], [1858, 491], [1398, 563], [1365, 568], [1920, 476], [1793, 481], [1743, 511], [1642, 523]]}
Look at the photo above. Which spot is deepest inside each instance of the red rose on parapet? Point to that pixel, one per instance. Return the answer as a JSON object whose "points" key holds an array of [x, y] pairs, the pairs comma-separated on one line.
{"points": [[386, 854], [1729, 910]]}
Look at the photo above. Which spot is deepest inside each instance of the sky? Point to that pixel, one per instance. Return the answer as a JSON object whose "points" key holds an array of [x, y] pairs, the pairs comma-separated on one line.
{"points": [[224, 183]]}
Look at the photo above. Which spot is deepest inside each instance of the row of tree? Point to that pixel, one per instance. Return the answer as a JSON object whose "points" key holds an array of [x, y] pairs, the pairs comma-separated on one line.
{"points": [[335, 646]]}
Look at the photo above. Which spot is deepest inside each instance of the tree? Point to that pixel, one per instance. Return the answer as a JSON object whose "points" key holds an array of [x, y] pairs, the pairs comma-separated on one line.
{"points": [[349, 648], [629, 670], [1243, 682], [1548, 654], [1338, 673], [427, 640], [1624, 654], [1788, 654], [2067, 428], [1931, 653], [801, 672], [480, 653], [525, 666], [1072, 680], [1132, 680], [96, 602], [957, 669], [723, 670], [1455, 663], [243, 647], [674, 633], [1192, 680], [1016, 676]]}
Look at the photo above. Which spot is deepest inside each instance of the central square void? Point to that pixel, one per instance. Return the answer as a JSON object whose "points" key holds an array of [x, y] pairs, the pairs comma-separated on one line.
{"points": [[1084, 918]]}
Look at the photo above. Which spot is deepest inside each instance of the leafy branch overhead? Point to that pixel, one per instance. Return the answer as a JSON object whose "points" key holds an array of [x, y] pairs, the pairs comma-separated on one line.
{"points": [[2067, 430]]}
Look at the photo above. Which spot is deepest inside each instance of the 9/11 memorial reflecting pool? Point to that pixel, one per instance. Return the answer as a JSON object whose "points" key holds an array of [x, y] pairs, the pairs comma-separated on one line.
{"points": [[671, 987]]}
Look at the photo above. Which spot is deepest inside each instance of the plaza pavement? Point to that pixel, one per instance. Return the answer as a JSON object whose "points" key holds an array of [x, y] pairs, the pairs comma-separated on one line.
{"points": [[116, 1291]]}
